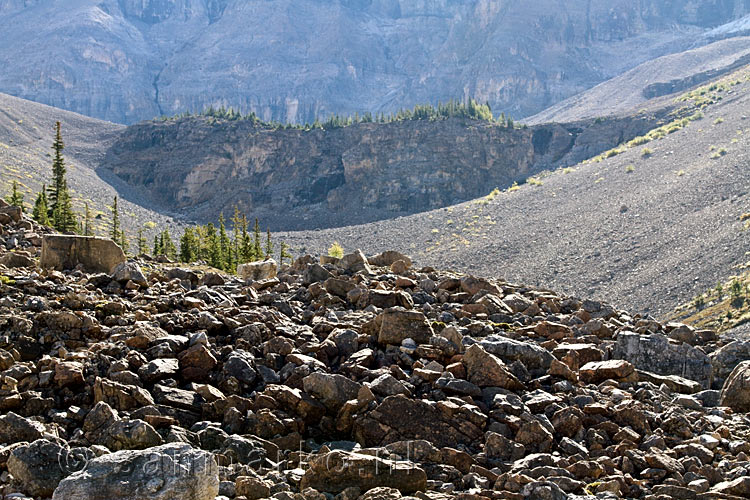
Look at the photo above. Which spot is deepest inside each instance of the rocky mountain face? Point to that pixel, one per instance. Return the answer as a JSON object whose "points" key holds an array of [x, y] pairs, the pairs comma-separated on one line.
{"points": [[359, 378], [297, 178], [294, 60]]}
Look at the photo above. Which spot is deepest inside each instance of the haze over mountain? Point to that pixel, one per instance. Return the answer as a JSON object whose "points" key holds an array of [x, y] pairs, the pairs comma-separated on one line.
{"points": [[127, 60]]}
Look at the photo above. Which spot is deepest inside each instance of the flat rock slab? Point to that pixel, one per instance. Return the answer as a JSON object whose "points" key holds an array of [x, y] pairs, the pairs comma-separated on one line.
{"points": [[96, 255]]}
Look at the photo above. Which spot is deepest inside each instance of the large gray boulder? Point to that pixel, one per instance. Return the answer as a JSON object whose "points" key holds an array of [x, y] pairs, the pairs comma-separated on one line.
{"points": [[736, 391], [338, 470], [96, 255], [257, 271], [509, 350], [725, 359], [657, 354], [331, 389], [38, 467], [174, 471]]}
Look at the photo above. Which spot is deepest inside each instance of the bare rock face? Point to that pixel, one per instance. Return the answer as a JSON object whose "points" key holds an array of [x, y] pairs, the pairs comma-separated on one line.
{"points": [[346, 175], [94, 254], [168, 472]]}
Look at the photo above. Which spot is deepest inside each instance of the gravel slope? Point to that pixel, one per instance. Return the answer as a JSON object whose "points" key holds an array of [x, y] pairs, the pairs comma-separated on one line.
{"points": [[647, 240], [625, 93], [26, 135]]}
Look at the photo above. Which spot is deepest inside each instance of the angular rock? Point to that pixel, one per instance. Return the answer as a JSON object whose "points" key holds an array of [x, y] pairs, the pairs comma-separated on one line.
{"points": [[509, 350], [38, 467], [258, 271], [336, 471], [599, 371], [355, 262], [397, 324], [487, 370], [13, 259], [736, 390], [655, 353], [401, 418], [121, 396], [168, 472], [96, 255], [332, 390], [129, 271], [387, 258]]}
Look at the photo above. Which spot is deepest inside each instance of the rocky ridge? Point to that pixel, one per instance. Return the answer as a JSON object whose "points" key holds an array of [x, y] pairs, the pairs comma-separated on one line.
{"points": [[303, 179], [356, 378]]}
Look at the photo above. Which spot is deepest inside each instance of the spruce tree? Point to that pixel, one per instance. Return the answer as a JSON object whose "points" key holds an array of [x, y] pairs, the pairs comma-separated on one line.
{"points": [[225, 250], [40, 212], [115, 233], [284, 253], [59, 203], [237, 235], [87, 229], [123, 241], [269, 244], [246, 245], [142, 247], [212, 247], [189, 246], [157, 246], [16, 197], [167, 246], [257, 248]]}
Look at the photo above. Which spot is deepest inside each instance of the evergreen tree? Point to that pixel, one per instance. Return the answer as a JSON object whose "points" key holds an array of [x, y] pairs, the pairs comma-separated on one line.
{"points": [[284, 253], [167, 246], [87, 229], [123, 241], [212, 246], [40, 212], [59, 203], [257, 248], [269, 244], [115, 233], [246, 245], [189, 246], [157, 246], [16, 197], [142, 247], [236, 235], [225, 250]]}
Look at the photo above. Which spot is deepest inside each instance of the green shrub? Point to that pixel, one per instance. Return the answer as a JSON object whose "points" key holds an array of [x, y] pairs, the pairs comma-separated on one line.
{"points": [[336, 250]]}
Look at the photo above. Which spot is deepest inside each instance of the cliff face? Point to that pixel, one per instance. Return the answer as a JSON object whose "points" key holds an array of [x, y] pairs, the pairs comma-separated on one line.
{"points": [[293, 60], [354, 174]]}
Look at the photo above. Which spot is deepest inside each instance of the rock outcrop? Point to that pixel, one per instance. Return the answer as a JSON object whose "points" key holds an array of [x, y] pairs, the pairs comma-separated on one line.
{"points": [[353, 174]]}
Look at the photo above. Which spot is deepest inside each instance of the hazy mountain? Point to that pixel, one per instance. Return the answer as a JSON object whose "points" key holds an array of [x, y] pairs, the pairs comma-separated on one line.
{"points": [[127, 60]]}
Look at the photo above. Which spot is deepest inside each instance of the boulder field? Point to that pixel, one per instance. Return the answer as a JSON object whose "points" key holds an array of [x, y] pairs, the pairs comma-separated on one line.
{"points": [[359, 378]]}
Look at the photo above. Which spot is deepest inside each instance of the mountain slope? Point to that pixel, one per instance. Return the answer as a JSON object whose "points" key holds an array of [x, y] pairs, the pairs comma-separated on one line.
{"points": [[662, 76], [294, 60], [647, 232], [26, 136]]}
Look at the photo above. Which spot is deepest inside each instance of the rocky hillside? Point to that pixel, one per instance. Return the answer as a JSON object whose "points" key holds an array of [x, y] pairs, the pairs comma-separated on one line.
{"points": [[364, 378], [305, 179], [26, 135], [649, 225], [675, 73], [293, 60]]}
